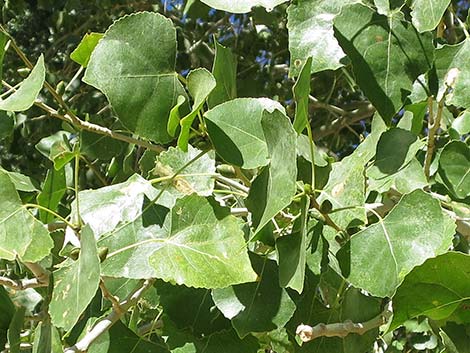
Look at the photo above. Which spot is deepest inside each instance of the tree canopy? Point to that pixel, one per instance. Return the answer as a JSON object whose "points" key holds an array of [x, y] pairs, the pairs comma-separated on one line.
{"points": [[234, 176]]}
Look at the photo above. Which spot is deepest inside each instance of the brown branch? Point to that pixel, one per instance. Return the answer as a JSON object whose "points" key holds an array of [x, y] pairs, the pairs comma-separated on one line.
{"points": [[308, 333], [21, 284], [348, 117]]}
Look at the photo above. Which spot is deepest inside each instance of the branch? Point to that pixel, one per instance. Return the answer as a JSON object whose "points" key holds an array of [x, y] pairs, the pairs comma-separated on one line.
{"points": [[21, 284], [41, 278], [308, 333], [105, 324], [348, 117]]}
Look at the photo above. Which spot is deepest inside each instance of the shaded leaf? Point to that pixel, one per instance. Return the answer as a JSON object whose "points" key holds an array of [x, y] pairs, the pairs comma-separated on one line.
{"points": [[21, 234], [134, 66], [381, 255], [23, 98], [76, 284], [301, 91], [436, 289], [236, 132], [14, 330], [387, 55], [454, 168], [275, 187], [225, 73], [292, 250], [395, 149], [47, 339], [259, 306], [52, 192], [191, 308]]}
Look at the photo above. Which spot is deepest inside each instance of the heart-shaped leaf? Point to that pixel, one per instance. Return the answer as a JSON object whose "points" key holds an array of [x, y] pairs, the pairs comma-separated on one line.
{"points": [[454, 168], [134, 66], [380, 256], [435, 289]]}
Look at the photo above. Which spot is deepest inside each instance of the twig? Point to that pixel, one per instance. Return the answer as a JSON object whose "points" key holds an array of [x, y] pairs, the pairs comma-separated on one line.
{"points": [[231, 183], [105, 324], [109, 296], [308, 333], [21, 284], [326, 217], [433, 125]]}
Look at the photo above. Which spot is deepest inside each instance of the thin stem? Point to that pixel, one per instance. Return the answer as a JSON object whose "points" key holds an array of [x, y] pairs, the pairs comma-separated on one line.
{"points": [[433, 126], [55, 214], [312, 153], [327, 218], [76, 187]]}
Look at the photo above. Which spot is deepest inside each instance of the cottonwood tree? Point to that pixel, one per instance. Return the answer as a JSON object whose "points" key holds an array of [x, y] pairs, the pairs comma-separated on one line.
{"points": [[250, 176]]}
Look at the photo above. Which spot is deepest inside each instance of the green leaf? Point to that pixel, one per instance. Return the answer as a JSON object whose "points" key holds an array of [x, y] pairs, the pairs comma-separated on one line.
{"points": [[303, 150], [75, 285], [133, 65], [47, 339], [454, 168], [21, 181], [395, 149], [453, 59], [3, 42], [23, 98], [435, 289], [275, 187], [386, 52], [103, 209], [205, 245], [21, 234], [427, 14], [14, 330], [409, 178], [462, 123], [455, 338], [191, 308], [7, 308], [310, 25], [236, 132], [242, 6], [52, 192], [124, 340], [82, 53], [292, 251], [384, 253], [301, 95], [200, 84], [7, 124], [346, 184], [174, 119], [225, 73], [196, 177], [259, 306], [346, 192]]}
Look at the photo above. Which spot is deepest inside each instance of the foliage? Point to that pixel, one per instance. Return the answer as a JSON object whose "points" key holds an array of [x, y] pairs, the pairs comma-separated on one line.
{"points": [[250, 176]]}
